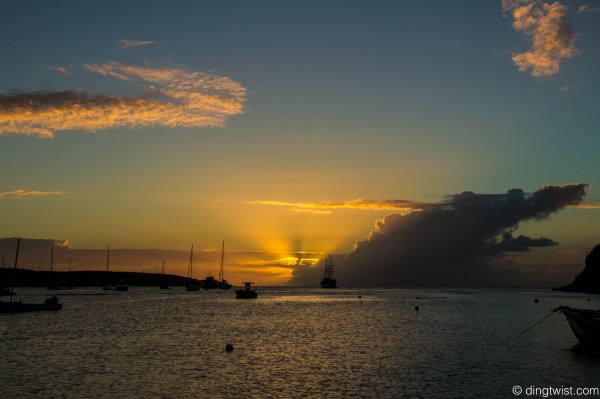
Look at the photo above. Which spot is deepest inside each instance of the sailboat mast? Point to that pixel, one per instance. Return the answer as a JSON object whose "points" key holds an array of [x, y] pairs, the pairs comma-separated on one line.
{"points": [[222, 258], [15, 269], [191, 260], [107, 257]]}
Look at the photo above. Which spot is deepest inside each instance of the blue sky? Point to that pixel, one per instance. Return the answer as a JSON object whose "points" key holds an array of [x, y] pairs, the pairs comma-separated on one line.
{"points": [[342, 100]]}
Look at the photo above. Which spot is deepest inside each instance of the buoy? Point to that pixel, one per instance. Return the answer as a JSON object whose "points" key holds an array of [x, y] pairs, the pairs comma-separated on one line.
{"points": [[535, 300], [360, 296], [417, 308], [228, 348]]}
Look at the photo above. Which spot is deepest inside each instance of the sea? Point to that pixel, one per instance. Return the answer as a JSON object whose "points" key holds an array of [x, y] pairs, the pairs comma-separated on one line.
{"points": [[296, 342]]}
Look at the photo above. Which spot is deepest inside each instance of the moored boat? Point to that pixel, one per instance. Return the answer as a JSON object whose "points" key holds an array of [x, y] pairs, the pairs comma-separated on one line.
{"points": [[211, 283], [247, 292], [328, 280], [122, 286], [585, 324], [50, 304]]}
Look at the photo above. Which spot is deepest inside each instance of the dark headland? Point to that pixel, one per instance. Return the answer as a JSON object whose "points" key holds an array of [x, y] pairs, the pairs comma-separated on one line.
{"points": [[33, 278], [588, 280]]}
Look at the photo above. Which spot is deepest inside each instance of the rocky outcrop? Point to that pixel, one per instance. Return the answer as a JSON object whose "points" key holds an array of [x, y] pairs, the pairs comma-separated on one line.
{"points": [[589, 279]]}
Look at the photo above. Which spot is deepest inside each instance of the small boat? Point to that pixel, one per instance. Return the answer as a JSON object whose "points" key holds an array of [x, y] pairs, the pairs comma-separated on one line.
{"points": [[246, 293], [585, 324], [211, 283], [122, 286], [328, 280], [50, 304], [191, 284]]}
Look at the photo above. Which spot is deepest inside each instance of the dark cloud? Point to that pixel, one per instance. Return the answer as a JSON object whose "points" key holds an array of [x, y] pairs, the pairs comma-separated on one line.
{"points": [[451, 243]]}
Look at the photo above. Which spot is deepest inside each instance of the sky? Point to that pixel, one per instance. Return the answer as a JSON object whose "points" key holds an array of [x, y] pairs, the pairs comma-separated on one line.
{"points": [[295, 129]]}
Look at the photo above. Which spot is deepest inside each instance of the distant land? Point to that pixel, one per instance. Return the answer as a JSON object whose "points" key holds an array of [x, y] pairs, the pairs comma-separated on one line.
{"points": [[33, 278], [588, 280]]}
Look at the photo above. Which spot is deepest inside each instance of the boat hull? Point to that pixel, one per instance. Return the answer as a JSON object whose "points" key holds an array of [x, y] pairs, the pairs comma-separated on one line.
{"points": [[585, 324], [18, 307], [245, 294], [328, 283]]}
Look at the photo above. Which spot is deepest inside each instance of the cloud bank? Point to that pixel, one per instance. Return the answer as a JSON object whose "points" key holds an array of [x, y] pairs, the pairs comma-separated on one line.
{"points": [[451, 243], [551, 35], [172, 97]]}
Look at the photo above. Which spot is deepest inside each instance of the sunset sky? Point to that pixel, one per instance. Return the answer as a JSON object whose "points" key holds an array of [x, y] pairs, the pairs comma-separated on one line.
{"points": [[288, 129]]}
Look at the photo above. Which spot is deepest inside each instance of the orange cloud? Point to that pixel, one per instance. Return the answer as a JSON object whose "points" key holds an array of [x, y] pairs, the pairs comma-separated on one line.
{"points": [[20, 194], [326, 207], [586, 205], [173, 97], [550, 33]]}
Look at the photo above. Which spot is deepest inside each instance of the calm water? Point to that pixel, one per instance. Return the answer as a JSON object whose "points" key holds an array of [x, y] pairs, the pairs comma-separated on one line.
{"points": [[293, 343]]}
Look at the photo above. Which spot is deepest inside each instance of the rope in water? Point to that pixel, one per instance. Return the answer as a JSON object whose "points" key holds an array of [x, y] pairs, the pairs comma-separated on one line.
{"points": [[554, 311]]}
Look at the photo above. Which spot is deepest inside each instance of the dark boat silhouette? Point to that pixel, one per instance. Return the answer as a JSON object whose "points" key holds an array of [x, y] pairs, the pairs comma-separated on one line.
{"points": [[211, 283], [246, 293], [585, 324], [50, 304], [328, 280]]}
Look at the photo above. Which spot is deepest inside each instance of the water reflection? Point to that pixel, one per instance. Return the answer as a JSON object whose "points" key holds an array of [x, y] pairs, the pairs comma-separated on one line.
{"points": [[292, 343]]}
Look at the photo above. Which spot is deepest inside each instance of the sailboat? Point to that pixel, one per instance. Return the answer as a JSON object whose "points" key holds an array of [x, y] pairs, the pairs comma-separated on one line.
{"points": [[191, 284], [328, 280], [163, 284], [210, 283], [5, 291], [107, 286], [50, 304], [51, 286]]}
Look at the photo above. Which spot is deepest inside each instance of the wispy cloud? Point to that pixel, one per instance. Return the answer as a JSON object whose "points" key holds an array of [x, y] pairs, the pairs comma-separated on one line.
{"points": [[172, 97], [585, 9], [550, 33], [362, 204], [64, 69], [134, 43], [20, 194]]}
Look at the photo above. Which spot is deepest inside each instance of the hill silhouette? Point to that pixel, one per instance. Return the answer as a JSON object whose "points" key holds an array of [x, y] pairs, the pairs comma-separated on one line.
{"points": [[589, 279], [33, 278]]}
